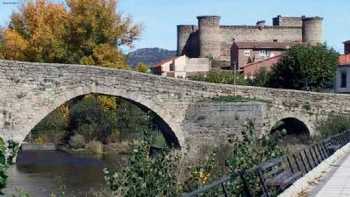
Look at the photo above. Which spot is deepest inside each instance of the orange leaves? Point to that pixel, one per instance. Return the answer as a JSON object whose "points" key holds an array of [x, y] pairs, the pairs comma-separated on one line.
{"points": [[82, 31], [14, 45]]}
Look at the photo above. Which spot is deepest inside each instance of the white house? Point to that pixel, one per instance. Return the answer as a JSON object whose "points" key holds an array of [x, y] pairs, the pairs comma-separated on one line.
{"points": [[183, 67]]}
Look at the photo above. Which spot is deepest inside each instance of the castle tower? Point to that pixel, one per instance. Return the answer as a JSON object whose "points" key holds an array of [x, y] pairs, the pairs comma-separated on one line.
{"points": [[184, 33], [209, 36], [312, 30]]}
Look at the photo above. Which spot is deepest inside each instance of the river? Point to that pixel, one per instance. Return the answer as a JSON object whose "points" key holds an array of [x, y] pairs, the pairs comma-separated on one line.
{"points": [[40, 173]]}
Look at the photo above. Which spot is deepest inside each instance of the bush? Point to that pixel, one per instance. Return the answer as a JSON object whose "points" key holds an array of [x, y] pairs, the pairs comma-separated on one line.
{"points": [[92, 120], [145, 175], [262, 78], [226, 77], [249, 151], [77, 141], [3, 165], [52, 129], [333, 125]]}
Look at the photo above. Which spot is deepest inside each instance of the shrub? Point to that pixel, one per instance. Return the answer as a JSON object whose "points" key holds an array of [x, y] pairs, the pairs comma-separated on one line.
{"points": [[262, 78], [226, 77], [145, 175], [334, 124], [248, 151], [3, 165], [92, 120], [77, 141]]}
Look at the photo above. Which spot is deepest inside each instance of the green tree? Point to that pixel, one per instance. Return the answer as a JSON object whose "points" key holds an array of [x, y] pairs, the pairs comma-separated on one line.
{"points": [[90, 119], [305, 67], [262, 78], [334, 124], [143, 68]]}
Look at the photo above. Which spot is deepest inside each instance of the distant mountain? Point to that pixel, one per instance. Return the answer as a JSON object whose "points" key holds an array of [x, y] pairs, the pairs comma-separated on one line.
{"points": [[150, 56]]}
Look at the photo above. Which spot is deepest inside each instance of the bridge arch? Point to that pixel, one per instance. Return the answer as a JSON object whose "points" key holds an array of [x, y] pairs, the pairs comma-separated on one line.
{"points": [[292, 125], [42, 106], [294, 130]]}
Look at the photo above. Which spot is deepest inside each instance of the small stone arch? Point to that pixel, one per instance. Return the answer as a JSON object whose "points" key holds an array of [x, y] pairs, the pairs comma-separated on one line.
{"points": [[295, 130], [47, 106]]}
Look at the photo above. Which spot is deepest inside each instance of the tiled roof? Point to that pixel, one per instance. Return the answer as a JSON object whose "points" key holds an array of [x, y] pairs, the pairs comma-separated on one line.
{"points": [[265, 45], [271, 60], [344, 59]]}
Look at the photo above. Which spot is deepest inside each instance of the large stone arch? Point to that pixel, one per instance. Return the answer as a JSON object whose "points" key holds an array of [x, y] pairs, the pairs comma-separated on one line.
{"points": [[42, 105], [308, 121], [292, 123]]}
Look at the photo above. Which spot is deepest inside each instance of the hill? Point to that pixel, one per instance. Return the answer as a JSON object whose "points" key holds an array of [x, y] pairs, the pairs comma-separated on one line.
{"points": [[150, 56]]}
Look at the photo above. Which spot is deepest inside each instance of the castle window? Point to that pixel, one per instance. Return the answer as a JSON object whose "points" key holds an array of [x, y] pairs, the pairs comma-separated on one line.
{"points": [[172, 67], [264, 53], [275, 40], [343, 79]]}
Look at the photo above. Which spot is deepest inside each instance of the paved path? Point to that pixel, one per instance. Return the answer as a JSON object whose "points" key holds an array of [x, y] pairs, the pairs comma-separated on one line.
{"points": [[338, 184]]}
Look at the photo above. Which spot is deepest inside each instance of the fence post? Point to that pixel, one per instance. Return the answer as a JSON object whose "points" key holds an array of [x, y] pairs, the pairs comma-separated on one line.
{"points": [[290, 165], [296, 161], [224, 189], [245, 185], [320, 152], [302, 160], [262, 182], [307, 159], [317, 156]]}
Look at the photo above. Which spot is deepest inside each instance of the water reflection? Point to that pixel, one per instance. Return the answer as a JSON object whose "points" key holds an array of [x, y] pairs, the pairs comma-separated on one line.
{"points": [[41, 172]]}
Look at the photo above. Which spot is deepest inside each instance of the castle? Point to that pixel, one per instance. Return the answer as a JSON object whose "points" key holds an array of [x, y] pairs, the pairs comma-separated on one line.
{"points": [[210, 39]]}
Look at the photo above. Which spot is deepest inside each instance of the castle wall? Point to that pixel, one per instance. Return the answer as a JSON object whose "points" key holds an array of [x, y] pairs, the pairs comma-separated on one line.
{"points": [[251, 33], [209, 36], [187, 40], [287, 21], [312, 30]]}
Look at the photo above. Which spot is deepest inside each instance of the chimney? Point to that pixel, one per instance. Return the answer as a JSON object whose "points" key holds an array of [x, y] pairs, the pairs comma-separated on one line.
{"points": [[346, 47], [261, 24]]}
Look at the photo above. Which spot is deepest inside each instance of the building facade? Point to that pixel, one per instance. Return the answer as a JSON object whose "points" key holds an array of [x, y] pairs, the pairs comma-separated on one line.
{"points": [[183, 67], [209, 39], [342, 82]]}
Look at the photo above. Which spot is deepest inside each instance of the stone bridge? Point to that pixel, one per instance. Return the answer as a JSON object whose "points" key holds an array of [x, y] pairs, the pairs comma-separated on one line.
{"points": [[30, 91]]}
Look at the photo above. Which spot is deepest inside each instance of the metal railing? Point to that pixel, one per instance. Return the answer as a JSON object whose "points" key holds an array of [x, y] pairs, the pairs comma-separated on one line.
{"points": [[300, 162]]}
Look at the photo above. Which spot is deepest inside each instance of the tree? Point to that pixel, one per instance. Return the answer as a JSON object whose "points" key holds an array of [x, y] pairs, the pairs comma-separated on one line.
{"points": [[96, 31], [37, 32], [82, 31], [143, 68], [78, 32], [305, 67]]}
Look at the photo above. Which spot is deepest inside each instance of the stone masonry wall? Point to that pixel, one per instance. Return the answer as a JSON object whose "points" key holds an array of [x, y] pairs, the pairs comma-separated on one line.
{"points": [[29, 91]]}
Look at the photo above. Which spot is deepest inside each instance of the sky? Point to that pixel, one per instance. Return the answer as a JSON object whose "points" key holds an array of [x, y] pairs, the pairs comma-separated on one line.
{"points": [[160, 17]]}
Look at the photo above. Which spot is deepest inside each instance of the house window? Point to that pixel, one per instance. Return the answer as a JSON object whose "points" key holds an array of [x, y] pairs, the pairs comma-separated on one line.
{"points": [[172, 67], [264, 53], [246, 53], [343, 79]]}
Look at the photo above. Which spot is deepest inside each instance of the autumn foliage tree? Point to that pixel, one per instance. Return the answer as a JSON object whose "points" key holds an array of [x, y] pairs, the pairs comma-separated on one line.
{"points": [[80, 31], [87, 32]]}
